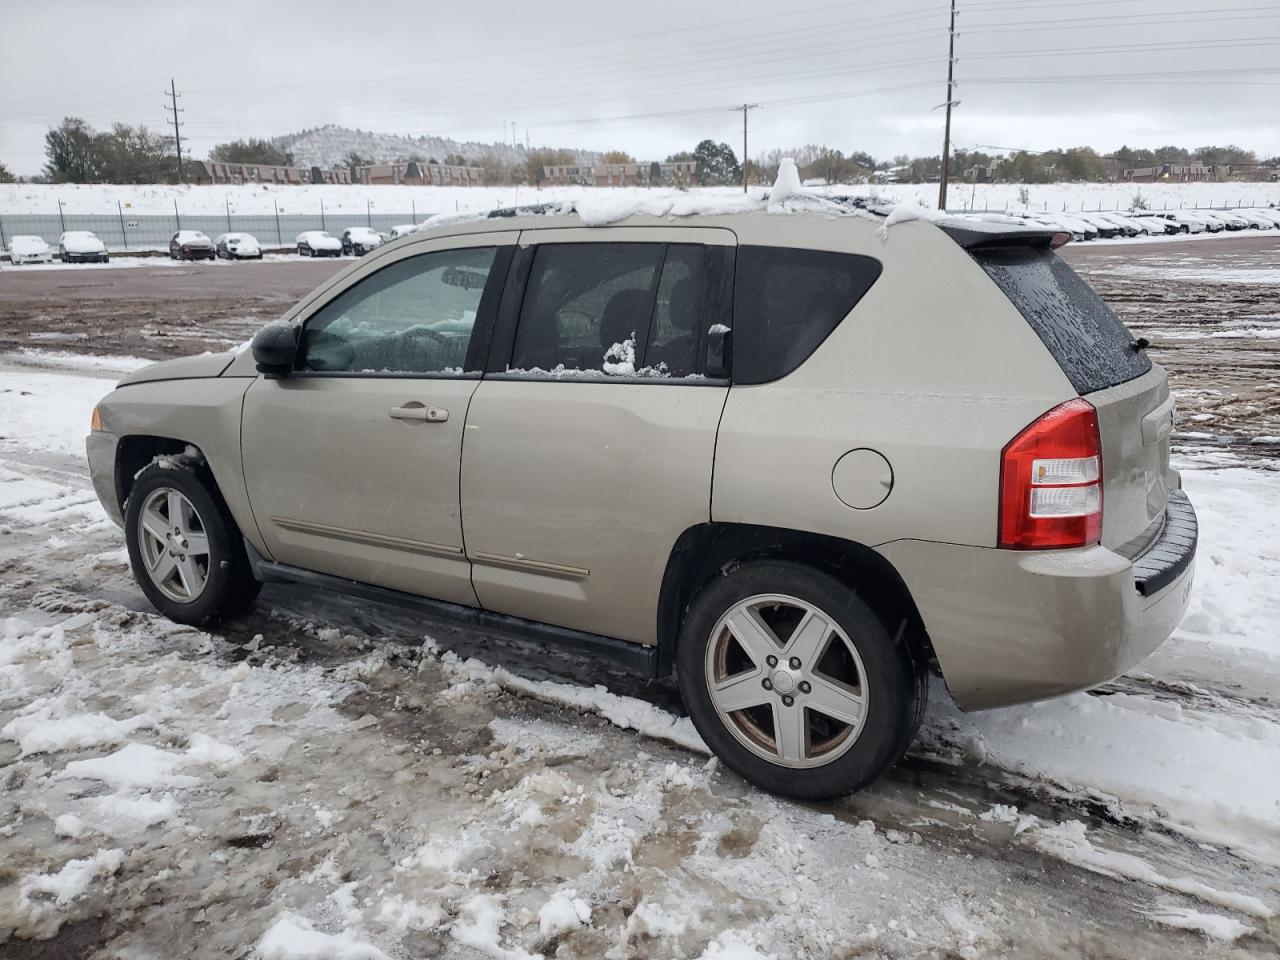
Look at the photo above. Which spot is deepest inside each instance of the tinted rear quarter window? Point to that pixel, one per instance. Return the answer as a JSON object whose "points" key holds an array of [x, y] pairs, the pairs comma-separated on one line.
{"points": [[1089, 342], [786, 302]]}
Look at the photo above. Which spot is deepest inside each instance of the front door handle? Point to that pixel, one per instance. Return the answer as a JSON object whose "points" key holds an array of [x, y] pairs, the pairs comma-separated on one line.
{"points": [[417, 411]]}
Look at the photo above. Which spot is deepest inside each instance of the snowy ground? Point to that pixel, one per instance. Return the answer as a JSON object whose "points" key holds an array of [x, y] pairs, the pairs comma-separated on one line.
{"points": [[158, 200], [331, 779]]}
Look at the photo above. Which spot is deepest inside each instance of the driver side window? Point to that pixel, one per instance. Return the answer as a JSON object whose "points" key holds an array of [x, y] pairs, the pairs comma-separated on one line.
{"points": [[414, 316]]}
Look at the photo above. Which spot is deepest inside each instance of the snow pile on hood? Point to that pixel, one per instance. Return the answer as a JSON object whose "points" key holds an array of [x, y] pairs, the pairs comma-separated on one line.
{"points": [[27, 246], [82, 243]]}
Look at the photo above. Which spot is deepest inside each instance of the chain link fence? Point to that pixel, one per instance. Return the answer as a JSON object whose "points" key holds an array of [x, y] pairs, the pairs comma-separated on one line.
{"points": [[125, 231]]}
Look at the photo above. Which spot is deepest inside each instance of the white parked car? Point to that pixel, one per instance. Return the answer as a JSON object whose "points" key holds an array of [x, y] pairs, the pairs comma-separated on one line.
{"points": [[1156, 226], [1255, 220], [238, 246], [1127, 225], [1232, 219], [28, 249], [360, 240], [402, 230], [1271, 214], [81, 246], [1186, 222], [318, 243]]}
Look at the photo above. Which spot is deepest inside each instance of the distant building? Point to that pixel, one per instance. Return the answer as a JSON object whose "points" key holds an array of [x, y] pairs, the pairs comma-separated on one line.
{"points": [[206, 171], [899, 174], [983, 172], [1177, 172], [414, 173], [679, 172]]}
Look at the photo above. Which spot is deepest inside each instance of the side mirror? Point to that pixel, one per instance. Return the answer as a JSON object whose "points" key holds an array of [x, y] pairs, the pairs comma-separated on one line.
{"points": [[274, 348], [719, 351]]}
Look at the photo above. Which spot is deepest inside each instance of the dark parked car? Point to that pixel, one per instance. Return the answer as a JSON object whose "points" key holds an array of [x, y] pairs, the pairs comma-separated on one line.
{"points": [[191, 245], [238, 246], [318, 243]]}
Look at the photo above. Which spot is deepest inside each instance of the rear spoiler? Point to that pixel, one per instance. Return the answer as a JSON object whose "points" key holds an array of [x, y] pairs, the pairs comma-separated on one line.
{"points": [[983, 235]]}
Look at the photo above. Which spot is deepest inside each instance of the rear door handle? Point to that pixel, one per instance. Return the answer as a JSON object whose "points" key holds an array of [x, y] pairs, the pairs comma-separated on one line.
{"points": [[416, 411]]}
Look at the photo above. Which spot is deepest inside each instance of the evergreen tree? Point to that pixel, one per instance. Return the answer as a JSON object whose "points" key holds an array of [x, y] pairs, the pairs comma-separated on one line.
{"points": [[251, 151]]}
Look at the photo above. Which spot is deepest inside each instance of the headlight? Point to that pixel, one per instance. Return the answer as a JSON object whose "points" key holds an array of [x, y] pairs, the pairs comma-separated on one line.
{"points": [[95, 420]]}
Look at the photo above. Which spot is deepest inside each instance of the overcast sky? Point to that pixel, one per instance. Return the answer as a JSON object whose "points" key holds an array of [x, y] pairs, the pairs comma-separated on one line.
{"points": [[654, 76]]}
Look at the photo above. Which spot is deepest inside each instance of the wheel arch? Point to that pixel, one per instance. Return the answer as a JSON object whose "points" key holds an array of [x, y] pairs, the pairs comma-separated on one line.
{"points": [[135, 452], [707, 550]]}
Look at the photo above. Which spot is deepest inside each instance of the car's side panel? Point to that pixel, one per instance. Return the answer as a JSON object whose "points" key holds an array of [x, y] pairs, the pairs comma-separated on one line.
{"points": [[574, 491], [934, 369], [343, 482], [340, 487], [204, 413]]}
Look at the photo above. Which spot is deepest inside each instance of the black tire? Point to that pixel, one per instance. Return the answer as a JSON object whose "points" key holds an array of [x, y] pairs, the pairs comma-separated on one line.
{"points": [[230, 586], [896, 685]]}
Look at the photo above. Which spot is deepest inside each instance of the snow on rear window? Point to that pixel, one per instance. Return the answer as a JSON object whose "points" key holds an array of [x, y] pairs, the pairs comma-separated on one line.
{"points": [[1089, 342]]}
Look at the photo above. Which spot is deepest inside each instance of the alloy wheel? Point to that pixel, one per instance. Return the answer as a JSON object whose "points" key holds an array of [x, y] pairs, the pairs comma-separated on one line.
{"points": [[786, 681], [174, 545]]}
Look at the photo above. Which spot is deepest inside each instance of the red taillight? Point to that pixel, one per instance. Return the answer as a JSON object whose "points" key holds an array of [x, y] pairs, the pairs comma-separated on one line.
{"points": [[1051, 481]]}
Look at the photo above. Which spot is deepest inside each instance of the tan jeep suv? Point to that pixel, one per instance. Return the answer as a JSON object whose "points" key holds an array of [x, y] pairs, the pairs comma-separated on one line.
{"points": [[795, 459]]}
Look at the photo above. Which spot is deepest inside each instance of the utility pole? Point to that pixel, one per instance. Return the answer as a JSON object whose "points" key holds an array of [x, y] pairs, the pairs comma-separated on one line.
{"points": [[946, 136], [745, 108], [172, 107]]}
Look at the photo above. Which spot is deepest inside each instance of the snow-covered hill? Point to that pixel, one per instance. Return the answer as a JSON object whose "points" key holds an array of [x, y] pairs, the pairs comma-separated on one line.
{"points": [[329, 146]]}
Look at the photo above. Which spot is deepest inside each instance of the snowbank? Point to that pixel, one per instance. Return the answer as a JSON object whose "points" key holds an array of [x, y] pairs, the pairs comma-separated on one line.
{"points": [[264, 199]]}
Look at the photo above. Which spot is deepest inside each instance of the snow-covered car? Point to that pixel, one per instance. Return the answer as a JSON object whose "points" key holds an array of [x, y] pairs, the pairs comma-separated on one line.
{"points": [[1268, 213], [1185, 222], [1155, 226], [191, 245], [1085, 230], [1128, 226], [81, 246], [237, 246], [1212, 224], [1233, 220], [28, 249], [1044, 219], [402, 230], [1256, 219], [1106, 229], [318, 243], [360, 240]]}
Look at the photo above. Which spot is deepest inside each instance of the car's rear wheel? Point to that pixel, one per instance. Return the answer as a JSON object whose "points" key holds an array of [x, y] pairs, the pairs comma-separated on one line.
{"points": [[184, 549], [795, 682]]}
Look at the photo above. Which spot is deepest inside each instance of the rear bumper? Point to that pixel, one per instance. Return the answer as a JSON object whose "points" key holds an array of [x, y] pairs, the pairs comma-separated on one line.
{"points": [[1011, 627]]}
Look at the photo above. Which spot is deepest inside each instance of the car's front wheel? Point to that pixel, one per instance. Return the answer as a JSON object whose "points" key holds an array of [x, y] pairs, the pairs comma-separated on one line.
{"points": [[795, 682], [184, 548]]}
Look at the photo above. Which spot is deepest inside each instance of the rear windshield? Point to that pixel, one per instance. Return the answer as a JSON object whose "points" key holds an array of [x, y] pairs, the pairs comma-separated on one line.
{"points": [[1089, 342]]}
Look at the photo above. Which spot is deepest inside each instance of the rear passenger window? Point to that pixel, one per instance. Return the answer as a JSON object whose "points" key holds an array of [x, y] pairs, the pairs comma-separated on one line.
{"points": [[587, 306], [415, 316], [675, 340], [787, 301]]}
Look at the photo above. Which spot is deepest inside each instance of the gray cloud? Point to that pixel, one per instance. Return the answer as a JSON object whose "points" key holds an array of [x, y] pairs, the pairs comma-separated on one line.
{"points": [[653, 78]]}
